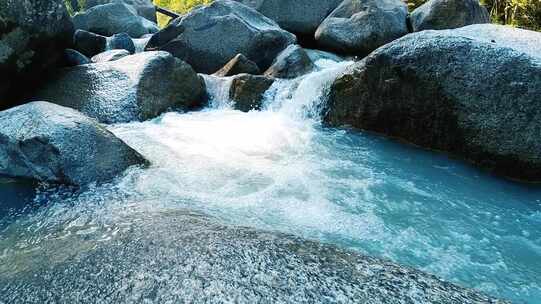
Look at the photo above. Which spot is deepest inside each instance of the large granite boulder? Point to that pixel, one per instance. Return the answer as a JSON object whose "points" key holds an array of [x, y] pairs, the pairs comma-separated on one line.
{"points": [[121, 41], [297, 16], [247, 91], [73, 58], [291, 63], [113, 18], [238, 65], [144, 8], [33, 36], [209, 36], [361, 26], [136, 87], [89, 43], [474, 92], [448, 14], [46, 142]]}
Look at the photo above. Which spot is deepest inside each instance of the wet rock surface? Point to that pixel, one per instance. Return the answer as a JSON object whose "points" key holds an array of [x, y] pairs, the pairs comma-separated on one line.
{"points": [[89, 43], [47, 142], [238, 65], [201, 261], [136, 87], [111, 55], [472, 91], [291, 63], [247, 91], [203, 37]]}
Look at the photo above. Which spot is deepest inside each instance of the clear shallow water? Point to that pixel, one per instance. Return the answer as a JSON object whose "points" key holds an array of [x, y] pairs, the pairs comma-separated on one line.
{"points": [[279, 170]]}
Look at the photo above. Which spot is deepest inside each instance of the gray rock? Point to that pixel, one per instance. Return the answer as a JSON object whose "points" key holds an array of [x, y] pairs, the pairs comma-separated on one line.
{"points": [[296, 16], [89, 43], [33, 36], [47, 142], [74, 58], [361, 26], [111, 55], [247, 91], [448, 14], [113, 18], [136, 87], [209, 262], [209, 36], [238, 65], [121, 41], [472, 91], [291, 63], [144, 8]]}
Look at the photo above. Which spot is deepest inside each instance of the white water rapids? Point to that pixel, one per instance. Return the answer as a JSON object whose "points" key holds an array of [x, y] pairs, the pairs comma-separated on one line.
{"points": [[280, 170]]}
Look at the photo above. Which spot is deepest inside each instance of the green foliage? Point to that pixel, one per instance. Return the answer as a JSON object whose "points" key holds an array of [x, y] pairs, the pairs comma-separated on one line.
{"points": [[74, 6], [520, 13], [179, 6]]}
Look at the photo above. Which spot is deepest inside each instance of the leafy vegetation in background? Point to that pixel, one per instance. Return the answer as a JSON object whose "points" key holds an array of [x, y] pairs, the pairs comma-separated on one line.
{"points": [[179, 6], [520, 13]]}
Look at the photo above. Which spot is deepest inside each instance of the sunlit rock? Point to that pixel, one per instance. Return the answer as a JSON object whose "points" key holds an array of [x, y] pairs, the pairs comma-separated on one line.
{"points": [[209, 36], [360, 26], [144, 8], [111, 55], [47, 142], [448, 14], [472, 91], [238, 65], [136, 87]]}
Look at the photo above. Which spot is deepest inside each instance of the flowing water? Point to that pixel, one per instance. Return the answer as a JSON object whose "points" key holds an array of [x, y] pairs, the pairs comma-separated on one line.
{"points": [[280, 170]]}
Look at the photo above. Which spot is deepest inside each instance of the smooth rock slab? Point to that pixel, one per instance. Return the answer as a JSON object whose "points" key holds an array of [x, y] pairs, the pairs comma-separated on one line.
{"points": [[209, 36], [360, 26], [474, 92], [47, 142], [136, 87], [144, 8], [182, 257], [111, 55]]}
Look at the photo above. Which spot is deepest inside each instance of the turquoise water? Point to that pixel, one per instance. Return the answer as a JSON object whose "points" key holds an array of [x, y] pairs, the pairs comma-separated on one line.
{"points": [[279, 170]]}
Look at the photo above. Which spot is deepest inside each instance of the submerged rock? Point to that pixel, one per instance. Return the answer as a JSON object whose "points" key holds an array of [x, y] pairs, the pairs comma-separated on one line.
{"points": [[185, 257], [111, 55], [296, 16], [291, 63], [144, 8], [209, 36], [448, 14], [361, 26], [472, 91], [113, 18], [238, 65], [136, 87], [89, 43], [47, 142], [74, 58], [247, 91], [33, 36]]}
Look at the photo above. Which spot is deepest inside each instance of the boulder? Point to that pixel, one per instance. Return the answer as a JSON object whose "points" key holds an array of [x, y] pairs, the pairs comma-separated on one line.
{"points": [[291, 63], [144, 8], [136, 87], [360, 26], [247, 91], [473, 91], [297, 16], [74, 58], [89, 43], [113, 18], [33, 37], [448, 14], [51, 143], [121, 41], [238, 65], [209, 36], [111, 55]]}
